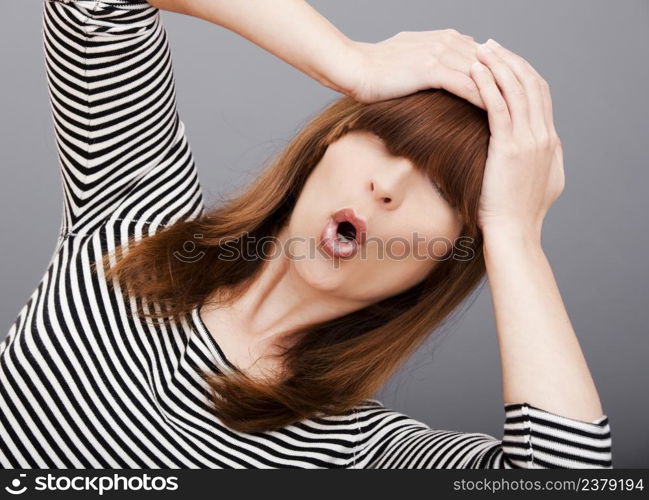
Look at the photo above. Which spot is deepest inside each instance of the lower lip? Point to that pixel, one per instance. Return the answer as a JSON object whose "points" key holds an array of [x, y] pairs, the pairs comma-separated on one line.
{"points": [[332, 244]]}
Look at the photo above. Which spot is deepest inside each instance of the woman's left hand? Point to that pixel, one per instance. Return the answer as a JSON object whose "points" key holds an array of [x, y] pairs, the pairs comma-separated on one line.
{"points": [[410, 61], [524, 170]]}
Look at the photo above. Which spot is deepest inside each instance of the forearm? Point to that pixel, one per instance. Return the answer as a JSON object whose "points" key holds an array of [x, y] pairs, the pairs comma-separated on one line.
{"points": [[542, 362], [290, 29]]}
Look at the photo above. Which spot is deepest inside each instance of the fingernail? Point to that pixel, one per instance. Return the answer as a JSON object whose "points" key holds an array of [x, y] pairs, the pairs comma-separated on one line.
{"points": [[493, 43]]}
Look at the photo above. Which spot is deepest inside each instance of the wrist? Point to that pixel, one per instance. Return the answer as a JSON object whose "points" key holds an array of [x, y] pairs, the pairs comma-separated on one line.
{"points": [[344, 72], [510, 235]]}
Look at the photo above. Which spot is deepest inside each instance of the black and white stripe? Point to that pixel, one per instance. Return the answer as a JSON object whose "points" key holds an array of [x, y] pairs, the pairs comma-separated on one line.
{"points": [[85, 385]]}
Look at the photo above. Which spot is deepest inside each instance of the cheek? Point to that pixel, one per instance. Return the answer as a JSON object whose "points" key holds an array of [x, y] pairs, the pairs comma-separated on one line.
{"points": [[407, 260], [306, 220], [412, 252], [435, 235]]}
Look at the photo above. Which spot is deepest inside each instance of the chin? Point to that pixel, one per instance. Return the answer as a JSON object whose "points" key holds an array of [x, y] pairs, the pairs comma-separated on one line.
{"points": [[321, 273]]}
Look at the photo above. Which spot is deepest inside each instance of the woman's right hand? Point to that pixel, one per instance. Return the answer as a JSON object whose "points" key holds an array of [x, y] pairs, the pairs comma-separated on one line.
{"points": [[524, 172], [410, 61]]}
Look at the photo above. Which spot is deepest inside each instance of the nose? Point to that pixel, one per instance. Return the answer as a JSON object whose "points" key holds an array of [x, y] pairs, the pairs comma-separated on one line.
{"points": [[388, 185]]}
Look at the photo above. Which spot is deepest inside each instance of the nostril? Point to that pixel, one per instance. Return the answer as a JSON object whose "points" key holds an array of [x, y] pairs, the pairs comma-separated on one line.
{"points": [[387, 200]]}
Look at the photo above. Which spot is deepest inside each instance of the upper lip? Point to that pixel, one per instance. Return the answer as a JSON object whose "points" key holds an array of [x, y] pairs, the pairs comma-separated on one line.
{"points": [[348, 214]]}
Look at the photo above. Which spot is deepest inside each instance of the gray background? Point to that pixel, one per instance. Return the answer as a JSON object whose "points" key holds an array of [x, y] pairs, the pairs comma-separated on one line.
{"points": [[241, 105]]}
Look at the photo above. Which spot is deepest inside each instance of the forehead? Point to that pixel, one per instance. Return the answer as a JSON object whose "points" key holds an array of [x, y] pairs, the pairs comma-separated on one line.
{"points": [[362, 141], [359, 143]]}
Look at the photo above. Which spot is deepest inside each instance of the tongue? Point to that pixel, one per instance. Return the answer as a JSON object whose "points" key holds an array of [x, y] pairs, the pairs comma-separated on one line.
{"points": [[344, 248]]}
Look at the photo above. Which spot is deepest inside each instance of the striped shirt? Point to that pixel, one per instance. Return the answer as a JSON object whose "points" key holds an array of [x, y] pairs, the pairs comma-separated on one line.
{"points": [[85, 385]]}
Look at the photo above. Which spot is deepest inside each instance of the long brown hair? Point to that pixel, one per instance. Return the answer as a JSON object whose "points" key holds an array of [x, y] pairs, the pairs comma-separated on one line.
{"points": [[334, 365]]}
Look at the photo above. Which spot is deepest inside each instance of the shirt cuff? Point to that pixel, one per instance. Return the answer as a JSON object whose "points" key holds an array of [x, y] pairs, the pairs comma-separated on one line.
{"points": [[536, 438]]}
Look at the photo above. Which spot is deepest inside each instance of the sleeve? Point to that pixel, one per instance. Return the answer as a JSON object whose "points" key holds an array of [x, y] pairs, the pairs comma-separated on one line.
{"points": [[121, 144], [533, 439]]}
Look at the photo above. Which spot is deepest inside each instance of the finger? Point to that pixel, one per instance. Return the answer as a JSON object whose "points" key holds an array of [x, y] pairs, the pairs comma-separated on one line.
{"points": [[547, 101], [459, 62], [457, 83], [524, 61], [531, 81], [510, 87], [497, 111]]}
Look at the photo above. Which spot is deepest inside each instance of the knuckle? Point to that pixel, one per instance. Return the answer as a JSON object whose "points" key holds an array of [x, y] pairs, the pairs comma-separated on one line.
{"points": [[554, 138], [469, 84], [524, 62], [518, 89], [437, 47], [523, 143], [539, 83], [529, 146], [543, 140], [512, 149], [525, 66], [431, 64], [543, 83], [500, 105], [560, 184]]}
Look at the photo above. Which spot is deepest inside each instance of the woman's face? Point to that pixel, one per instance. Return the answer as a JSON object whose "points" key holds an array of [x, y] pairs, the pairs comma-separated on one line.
{"points": [[409, 225]]}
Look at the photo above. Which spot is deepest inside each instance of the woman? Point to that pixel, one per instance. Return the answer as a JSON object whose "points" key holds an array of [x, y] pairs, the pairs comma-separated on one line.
{"points": [[277, 368]]}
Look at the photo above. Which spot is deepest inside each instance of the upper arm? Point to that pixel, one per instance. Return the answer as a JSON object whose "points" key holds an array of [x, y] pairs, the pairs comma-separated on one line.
{"points": [[533, 438], [394, 441], [179, 6], [120, 141]]}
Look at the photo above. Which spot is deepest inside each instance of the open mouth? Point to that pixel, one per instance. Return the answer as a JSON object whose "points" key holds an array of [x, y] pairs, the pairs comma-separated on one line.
{"points": [[344, 233]]}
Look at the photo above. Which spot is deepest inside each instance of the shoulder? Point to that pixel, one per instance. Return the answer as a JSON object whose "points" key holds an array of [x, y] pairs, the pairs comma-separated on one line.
{"points": [[378, 422]]}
